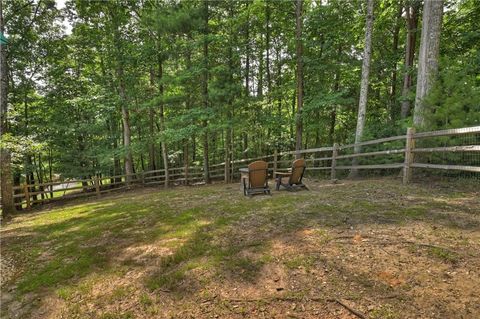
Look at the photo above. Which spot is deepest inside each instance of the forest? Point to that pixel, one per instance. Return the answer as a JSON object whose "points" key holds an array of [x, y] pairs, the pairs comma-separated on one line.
{"points": [[109, 87], [129, 129]]}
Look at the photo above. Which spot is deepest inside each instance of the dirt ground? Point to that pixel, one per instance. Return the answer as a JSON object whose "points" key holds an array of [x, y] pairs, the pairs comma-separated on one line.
{"points": [[356, 249]]}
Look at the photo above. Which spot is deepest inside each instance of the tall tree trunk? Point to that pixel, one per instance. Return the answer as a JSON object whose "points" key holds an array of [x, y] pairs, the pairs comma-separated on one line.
{"points": [[152, 165], [247, 53], [29, 176], [128, 159], [229, 130], [116, 159], [428, 56], [5, 157], [162, 123], [336, 89], [278, 83], [39, 173], [362, 104], [206, 172], [393, 81], [188, 105], [299, 56], [411, 15], [260, 69], [112, 127], [50, 170], [267, 43]]}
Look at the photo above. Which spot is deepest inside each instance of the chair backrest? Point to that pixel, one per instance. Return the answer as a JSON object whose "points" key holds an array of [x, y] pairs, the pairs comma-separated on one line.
{"points": [[257, 174], [298, 168]]}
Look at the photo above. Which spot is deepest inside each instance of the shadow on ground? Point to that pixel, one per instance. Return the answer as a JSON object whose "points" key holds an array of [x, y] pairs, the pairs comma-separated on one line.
{"points": [[206, 251]]}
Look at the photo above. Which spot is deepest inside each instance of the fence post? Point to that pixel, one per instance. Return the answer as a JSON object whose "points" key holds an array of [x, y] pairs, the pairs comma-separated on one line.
{"points": [[26, 192], [226, 168], [97, 186], [409, 146], [275, 162], [185, 173], [333, 174]]}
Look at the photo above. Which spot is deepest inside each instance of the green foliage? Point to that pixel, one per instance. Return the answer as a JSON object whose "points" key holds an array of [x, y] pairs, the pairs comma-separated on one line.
{"points": [[65, 103], [454, 101]]}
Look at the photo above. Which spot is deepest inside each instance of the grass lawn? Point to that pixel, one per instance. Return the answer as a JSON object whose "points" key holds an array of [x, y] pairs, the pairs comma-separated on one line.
{"points": [[378, 247]]}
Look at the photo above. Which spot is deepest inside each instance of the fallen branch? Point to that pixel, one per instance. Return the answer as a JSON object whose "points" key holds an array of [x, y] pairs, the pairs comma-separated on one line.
{"points": [[353, 311]]}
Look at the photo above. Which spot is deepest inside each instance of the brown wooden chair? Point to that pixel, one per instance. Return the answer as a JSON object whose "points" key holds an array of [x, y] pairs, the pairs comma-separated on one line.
{"points": [[257, 182], [295, 177]]}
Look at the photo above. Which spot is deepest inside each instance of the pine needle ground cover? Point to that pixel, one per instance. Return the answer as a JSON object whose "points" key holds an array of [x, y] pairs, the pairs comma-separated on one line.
{"points": [[374, 247]]}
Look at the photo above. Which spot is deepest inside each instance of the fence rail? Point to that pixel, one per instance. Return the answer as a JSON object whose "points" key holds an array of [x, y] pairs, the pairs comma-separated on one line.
{"points": [[330, 158]]}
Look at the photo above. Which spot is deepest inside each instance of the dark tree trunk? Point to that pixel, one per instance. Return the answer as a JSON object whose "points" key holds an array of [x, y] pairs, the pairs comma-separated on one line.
{"points": [[267, 43], [162, 122], [299, 56], [393, 82], [247, 53], [206, 172], [151, 129], [333, 113], [6, 183], [260, 69]]}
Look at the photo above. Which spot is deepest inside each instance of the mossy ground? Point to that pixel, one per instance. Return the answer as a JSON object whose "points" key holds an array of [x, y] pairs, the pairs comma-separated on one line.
{"points": [[387, 250]]}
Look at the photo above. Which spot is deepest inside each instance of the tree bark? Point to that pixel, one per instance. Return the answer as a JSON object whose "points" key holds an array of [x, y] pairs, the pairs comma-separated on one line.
{"points": [[428, 56], [128, 159], [260, 69], [206, 172], [393, 82], [151, 128], [247, 53], [362, 104], [6, 184], [411, 15], [299, 56], [336, 88], [230, 110], [162, 123], [267, 43]]}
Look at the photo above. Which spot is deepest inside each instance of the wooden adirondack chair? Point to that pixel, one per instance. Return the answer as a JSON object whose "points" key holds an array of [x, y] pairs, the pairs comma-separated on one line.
{"points": [[294, 177], [257, 182]]}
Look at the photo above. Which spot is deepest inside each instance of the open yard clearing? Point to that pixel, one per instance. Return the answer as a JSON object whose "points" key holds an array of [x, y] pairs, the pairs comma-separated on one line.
{"points": [[374, 247]]}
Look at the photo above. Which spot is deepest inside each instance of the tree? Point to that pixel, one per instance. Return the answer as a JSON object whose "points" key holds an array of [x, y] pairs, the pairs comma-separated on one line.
{"points": [[206, 173], [172, 84], [5, 157], [428, 56], [362, 104], [411, 18], [299, 57], [115, 12]]}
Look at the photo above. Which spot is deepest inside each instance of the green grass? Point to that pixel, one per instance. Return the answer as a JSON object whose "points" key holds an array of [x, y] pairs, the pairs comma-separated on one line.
{"points": [[182, 239], [443, 254], [300, 261]]}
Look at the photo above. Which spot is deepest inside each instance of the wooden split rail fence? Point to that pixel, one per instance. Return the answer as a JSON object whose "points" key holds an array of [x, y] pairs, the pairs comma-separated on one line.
{"points": [[331, 160]]}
